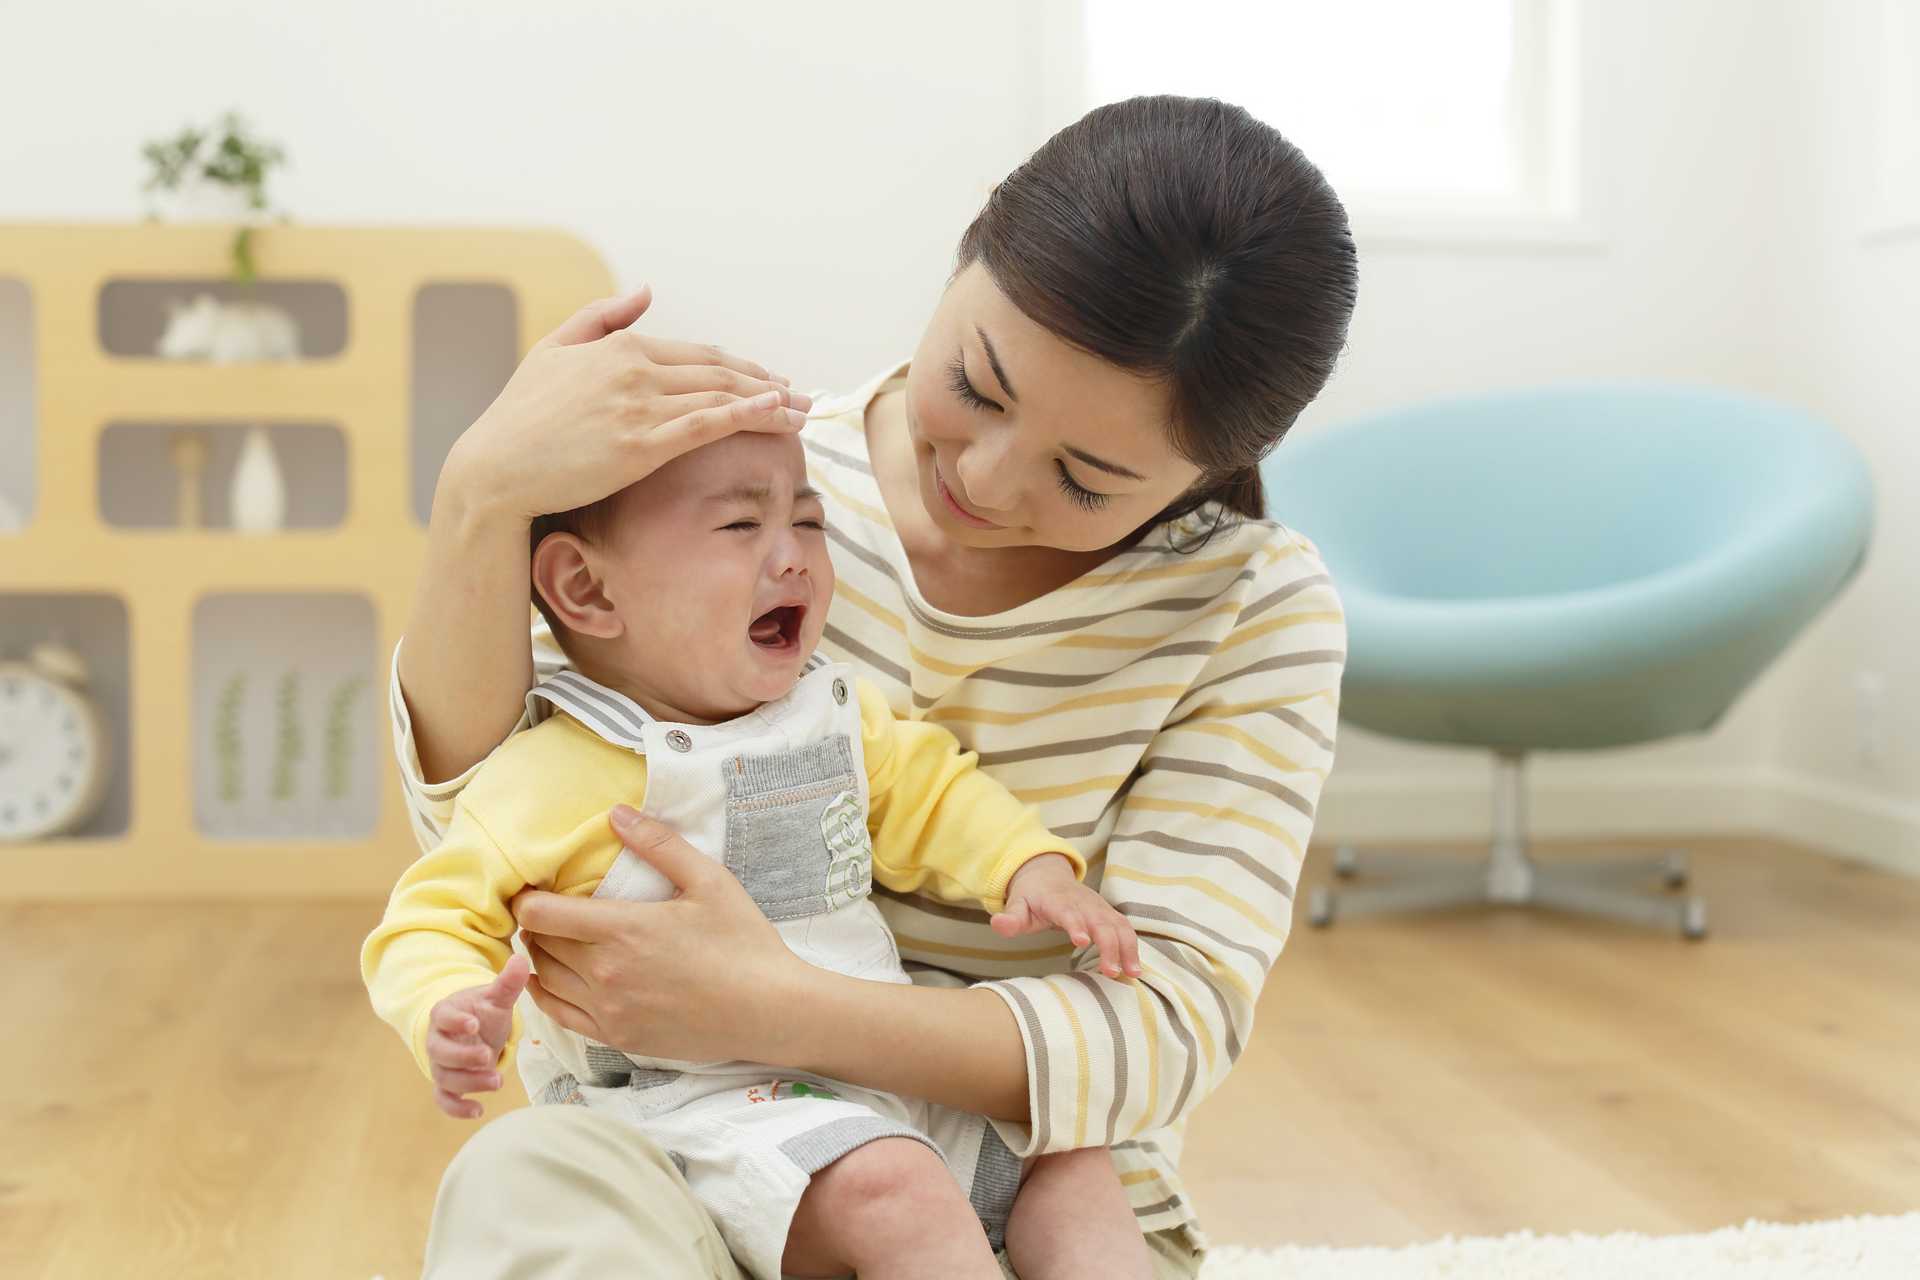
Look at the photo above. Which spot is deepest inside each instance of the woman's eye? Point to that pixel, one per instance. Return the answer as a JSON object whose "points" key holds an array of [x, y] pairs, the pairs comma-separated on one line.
{"points": [[957, 379], [1085, 499], [821, 525], [742, 524]]}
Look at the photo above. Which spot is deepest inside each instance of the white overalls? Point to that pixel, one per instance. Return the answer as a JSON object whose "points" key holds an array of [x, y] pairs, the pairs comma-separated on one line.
{"points": [[780, 796]]}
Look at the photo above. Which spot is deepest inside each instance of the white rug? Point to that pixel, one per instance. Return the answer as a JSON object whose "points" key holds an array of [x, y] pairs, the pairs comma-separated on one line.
{"points": [[1875, 1248]]}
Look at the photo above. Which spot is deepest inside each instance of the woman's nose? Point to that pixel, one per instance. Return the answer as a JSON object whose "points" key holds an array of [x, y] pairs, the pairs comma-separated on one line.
{"points": [[988, 475]]}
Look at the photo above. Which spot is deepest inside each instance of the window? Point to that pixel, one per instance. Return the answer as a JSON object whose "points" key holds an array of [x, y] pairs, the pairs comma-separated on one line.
{"points": [[1896, 181], [1409, 107]]}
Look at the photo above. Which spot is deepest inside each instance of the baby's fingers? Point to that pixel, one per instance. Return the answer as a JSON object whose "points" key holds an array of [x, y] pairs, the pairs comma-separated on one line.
{"points": [[1118, 943], [1065, 916], [459, 1053], [1106, 936], [1014, 921], [453, 1019], [455, 1080], [456, 1106]]}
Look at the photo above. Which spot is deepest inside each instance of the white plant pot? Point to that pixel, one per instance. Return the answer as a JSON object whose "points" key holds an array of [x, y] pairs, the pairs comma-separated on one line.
{"points": [[258, 497], [203, 201]]}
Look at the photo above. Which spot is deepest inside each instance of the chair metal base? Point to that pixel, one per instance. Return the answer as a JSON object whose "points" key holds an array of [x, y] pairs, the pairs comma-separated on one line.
{"points": [[1586, 886]]}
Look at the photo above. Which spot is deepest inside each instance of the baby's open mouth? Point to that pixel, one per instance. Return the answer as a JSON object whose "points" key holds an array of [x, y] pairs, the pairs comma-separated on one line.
{"points": [[778, 628]]}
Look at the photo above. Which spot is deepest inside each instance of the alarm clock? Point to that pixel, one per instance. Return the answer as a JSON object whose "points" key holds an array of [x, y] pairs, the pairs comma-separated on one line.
{"points": [[53, 746]]}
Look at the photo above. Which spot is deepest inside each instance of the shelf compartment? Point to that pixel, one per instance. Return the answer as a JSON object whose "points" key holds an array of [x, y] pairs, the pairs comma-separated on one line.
{"points": [[133, 313], [466, 344], [19, 416], [286, 741], [142, 485]]}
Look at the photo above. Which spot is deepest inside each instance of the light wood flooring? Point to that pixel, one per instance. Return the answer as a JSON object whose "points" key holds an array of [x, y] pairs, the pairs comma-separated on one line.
{"points": [[201, 1090]]}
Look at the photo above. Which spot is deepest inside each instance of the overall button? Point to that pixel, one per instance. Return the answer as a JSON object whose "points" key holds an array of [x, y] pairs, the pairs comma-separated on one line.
{"points": [[679, 741], [840, 691]]}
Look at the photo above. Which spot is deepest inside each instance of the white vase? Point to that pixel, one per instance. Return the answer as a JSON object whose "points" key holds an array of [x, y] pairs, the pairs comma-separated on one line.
{"points": [[257, 499]]}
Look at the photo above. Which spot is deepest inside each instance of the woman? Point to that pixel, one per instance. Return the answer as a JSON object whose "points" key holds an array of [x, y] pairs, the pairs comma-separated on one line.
{"points": [[1048, 532]]}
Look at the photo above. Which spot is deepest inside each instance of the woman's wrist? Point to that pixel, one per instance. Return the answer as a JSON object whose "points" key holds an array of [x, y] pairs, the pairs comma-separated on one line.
{"points": [[475, 505], [784, 1024]]}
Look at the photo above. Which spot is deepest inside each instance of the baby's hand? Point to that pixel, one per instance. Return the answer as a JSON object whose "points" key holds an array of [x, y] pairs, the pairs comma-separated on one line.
{"points": [[465, 1034], [1045, 894]]}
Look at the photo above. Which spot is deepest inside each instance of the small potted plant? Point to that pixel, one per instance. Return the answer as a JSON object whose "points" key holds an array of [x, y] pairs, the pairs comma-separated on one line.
{"points": [[217, 174]]}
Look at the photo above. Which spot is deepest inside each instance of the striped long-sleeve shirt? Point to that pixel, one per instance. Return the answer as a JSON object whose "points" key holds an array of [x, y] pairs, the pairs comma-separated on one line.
{"points": [[1171, 715]]}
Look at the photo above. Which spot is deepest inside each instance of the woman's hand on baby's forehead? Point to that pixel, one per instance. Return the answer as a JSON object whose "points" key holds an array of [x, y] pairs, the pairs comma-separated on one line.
{"points": [[595, 407]]}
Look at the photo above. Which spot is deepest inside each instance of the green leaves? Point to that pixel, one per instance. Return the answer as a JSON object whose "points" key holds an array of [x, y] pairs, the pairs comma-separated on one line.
{"points": [[227, 155]]}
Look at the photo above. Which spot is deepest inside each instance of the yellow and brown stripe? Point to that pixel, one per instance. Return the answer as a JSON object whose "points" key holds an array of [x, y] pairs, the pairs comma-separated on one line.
{"points": [[1172, 716]]}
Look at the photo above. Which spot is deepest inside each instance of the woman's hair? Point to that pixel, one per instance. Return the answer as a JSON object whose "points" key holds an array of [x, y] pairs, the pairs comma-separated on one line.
{"points": [[1183, 240]]}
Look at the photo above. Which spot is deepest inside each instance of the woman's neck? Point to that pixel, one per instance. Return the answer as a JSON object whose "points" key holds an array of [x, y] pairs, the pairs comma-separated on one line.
{"points": [[957, 579]]}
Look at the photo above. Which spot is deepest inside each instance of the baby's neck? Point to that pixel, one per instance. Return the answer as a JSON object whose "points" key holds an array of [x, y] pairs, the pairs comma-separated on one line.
{"points": [[635, 685]]}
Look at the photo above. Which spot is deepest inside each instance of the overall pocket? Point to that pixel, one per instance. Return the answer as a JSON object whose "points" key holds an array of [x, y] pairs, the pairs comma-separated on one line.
{"points": [[797, 831]]}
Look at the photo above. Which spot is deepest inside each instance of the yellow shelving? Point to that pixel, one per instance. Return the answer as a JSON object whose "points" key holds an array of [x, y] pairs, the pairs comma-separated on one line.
{"points": [[159, 574]]}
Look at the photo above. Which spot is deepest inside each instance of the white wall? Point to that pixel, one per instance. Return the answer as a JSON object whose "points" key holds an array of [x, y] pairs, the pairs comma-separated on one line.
{"points": [[1851, 338], [793, 178]]}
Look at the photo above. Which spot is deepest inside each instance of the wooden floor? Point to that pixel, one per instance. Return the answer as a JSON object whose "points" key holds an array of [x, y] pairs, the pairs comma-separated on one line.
{"points": [[202, 1091]]}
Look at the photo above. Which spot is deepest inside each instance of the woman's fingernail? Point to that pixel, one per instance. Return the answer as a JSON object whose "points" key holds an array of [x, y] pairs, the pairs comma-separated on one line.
{"points": [[625, 815], [801, 401], [765, 400]]}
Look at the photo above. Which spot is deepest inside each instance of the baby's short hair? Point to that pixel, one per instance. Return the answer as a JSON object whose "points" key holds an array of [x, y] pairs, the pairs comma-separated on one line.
{"points": [[589, 523]]}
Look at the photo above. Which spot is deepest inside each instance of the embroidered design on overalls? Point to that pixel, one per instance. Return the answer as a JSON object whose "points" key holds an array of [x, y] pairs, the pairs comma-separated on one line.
{"points": [[843, 826], [795, 1089]]}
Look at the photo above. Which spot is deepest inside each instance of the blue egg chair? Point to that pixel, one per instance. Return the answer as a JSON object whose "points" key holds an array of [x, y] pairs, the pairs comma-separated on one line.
{"points": [[1565, 569]]}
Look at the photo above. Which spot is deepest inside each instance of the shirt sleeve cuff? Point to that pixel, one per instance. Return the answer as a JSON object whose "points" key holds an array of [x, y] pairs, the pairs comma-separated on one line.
{"points": [[408, 751], [1024, 1139]]}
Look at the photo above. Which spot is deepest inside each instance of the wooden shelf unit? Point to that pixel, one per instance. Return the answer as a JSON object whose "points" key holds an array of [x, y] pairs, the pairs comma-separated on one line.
{"points": [[160, 574]]}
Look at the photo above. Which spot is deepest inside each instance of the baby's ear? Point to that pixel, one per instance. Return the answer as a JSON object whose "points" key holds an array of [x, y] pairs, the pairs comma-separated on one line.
{"points": [[565, 576]]}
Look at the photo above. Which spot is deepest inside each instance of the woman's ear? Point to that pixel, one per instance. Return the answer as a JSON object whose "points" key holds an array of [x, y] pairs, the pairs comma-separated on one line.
{"points": [[565, 576]]}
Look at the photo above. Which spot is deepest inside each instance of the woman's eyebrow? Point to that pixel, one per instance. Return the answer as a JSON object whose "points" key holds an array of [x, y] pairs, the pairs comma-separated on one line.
{"points": [[1111, 468], [993, 358]]}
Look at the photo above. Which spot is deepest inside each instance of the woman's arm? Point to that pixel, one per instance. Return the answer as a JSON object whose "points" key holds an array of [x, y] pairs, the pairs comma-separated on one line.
{"points": [[593, 408], [1203, 861], [956, 1046], [467, 658]]}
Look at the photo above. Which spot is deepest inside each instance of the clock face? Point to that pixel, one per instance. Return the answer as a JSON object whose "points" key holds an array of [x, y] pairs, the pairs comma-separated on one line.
{"points": [[52, 755]]}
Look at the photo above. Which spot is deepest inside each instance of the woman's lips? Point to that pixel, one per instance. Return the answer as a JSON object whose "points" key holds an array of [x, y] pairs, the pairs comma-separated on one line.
{"points": [[953, 503]]}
